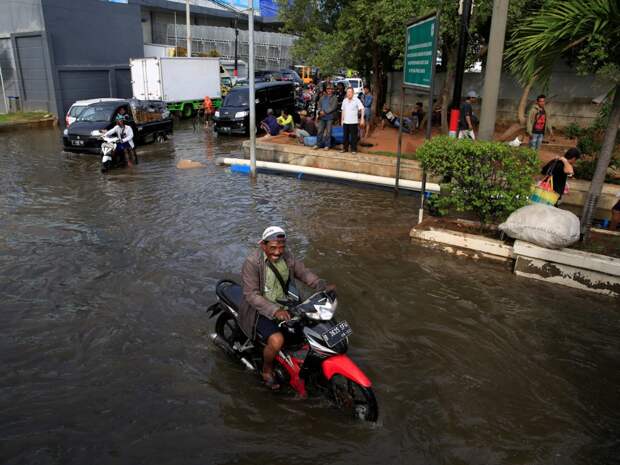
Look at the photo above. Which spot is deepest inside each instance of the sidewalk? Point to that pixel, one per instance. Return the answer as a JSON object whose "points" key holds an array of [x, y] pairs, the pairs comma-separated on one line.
{"points": [[12, 121], [385, 142]]}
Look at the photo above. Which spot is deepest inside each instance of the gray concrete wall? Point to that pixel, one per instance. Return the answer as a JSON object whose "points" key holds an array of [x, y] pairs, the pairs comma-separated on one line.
{"points": [[20, 16], [92, 32], [9, 72], [16, 16], [91, 44], [569, 95]]}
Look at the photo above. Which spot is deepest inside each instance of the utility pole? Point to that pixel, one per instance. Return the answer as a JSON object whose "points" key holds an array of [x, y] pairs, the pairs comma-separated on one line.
{"points": [[236, 72], [493, 72], [460, 68], [252, 91], [189, 29]]}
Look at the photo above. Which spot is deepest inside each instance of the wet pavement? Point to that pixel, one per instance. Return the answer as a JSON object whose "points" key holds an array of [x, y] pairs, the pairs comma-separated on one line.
{"points": [[104, 345]]}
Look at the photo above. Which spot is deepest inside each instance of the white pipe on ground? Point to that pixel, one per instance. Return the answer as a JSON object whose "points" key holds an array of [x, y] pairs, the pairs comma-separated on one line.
{"points": [[334, 174]]}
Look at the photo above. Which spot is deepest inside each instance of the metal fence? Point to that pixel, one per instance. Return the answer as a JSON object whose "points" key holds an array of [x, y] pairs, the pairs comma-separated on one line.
{"points": [[272, 49]]}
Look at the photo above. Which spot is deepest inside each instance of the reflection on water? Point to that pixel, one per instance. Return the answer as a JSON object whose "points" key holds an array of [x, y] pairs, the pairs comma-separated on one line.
{"points": [[104, 280]]}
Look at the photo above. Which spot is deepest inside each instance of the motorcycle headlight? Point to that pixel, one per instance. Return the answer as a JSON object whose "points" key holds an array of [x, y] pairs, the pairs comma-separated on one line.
{"points": [[65, 132], [241, 114], [216, 114], [323, 312], [95, 133]]}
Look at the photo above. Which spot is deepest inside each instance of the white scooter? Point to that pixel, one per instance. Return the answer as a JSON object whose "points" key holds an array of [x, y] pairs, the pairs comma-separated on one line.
{"points": [[112, 158]]}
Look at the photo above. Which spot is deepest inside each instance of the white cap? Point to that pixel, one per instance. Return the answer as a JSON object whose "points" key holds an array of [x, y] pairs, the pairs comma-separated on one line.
{"points": [[272, 233], [472, 94]]}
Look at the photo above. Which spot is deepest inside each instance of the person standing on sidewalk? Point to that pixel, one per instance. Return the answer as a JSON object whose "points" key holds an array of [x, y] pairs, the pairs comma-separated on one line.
{"points": [[328, 105], [367, 101], [538, 123], [351, 108], [467, 118]]}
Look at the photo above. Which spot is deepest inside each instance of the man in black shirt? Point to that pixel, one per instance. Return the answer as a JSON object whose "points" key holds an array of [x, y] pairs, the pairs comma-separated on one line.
{"points": [[561, 169], [467, 118]]}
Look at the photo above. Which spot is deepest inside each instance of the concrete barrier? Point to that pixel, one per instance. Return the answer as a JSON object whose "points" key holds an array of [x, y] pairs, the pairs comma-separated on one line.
{"points": [[568, 267], [578, 192], [375, 165], [574, 268]]}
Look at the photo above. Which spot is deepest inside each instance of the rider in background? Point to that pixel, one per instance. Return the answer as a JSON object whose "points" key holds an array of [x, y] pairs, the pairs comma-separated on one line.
{"points": [[125, 136], [265, 278]]}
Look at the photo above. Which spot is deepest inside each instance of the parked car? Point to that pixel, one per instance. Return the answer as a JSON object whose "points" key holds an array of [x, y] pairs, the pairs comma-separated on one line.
{"points": [[234, 115], [356, 83], [149, 119], [79, 105], [267, 76], [291, 75]]}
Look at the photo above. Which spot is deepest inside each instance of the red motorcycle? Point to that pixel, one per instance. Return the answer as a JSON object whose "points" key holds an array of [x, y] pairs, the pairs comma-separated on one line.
{"points": [[313, 359]]}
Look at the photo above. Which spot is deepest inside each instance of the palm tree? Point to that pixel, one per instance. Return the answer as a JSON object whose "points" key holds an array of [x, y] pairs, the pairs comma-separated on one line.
{"points": [[590, 31]]}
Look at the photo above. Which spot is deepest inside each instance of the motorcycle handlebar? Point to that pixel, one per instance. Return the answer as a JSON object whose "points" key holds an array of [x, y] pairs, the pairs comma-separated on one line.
{"points": [[288, 322]]}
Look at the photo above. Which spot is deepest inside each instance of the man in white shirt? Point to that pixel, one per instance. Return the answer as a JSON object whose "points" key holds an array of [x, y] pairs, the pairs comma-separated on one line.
{"points": [[125, 135], [351, 108]]}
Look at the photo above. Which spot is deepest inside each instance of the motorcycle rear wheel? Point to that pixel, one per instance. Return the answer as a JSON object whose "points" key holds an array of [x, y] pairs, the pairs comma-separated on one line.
{"points": [[358, 401], [227, 328]]}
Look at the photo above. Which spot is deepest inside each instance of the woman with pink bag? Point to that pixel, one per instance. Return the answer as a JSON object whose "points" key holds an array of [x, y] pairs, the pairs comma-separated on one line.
{"points": [[560, 169]]}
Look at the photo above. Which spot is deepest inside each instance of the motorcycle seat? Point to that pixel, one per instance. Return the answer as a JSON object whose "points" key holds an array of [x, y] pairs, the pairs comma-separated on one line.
{"points": [[231, 293]]}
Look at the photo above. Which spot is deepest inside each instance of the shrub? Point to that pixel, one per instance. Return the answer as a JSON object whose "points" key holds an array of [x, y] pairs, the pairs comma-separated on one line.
{"points": [[589, 142], [585, 167], [573, 131], [489, 179]]}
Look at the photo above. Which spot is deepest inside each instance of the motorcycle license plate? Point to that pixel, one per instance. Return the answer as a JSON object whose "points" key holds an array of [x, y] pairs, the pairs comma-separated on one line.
{"points": [[337, 334], [77, 142]]}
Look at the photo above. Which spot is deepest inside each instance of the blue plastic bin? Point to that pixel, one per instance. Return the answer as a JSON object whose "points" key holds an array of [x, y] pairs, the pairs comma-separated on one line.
{"points": [[310, 141], [337, 135]]}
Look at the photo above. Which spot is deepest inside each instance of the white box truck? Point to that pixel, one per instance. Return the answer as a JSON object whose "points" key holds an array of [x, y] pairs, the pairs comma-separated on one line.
{"points": [[181, 82]]}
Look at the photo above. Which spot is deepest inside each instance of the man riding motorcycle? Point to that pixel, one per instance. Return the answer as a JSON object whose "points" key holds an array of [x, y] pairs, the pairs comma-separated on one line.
{"points": [[124, 133], [265, 277]]}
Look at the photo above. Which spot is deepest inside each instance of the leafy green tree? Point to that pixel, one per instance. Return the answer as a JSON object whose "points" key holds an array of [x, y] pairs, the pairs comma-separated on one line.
{"points": [[489, 179], [589, 33], [369, 35]]}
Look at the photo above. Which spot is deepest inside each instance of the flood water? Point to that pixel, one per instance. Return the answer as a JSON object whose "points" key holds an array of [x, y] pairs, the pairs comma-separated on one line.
{"points": [[104, 348]]}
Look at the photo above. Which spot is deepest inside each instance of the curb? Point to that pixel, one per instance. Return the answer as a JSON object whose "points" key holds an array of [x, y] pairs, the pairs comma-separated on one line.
{"points": [[29, 124], [568, 267]]}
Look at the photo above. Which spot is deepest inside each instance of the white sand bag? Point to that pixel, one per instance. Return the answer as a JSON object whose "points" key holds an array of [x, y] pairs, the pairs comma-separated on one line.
{"points": [[543, 225]]}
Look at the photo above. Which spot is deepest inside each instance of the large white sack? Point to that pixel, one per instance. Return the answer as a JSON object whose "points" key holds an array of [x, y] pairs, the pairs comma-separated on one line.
{"points": [[543, 225]]}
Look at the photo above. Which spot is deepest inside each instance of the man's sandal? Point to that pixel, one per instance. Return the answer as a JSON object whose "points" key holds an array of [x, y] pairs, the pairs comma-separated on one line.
{"points": [[270, 382]]}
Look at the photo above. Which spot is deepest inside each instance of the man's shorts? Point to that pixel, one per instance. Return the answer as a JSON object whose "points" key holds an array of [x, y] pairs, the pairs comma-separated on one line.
{"points": [[266, 327]]}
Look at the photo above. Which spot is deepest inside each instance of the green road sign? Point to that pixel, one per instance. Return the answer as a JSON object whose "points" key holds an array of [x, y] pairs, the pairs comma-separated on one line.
{"points": [[419, 53]]}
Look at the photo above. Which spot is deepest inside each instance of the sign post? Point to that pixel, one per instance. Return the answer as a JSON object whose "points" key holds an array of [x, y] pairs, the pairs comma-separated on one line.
{"points": [[419, 74]]}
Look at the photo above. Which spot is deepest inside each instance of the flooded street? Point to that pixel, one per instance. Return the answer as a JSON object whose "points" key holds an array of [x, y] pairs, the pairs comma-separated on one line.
{"points": [[104, 344]]}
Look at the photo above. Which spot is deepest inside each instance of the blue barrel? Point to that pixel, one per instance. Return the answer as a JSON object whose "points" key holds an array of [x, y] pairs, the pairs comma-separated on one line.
{"points": [[310, 141], [337, 135]]}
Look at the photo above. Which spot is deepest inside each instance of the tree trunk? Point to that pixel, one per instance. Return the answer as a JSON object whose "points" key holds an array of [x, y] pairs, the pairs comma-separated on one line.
{"points": [[523, 103], [602, 164], [377, 81], [446, 89]]}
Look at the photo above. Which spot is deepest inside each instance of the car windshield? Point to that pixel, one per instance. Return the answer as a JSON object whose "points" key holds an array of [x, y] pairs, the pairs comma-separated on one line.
{"points": [[237, 98], [96, 113], [76, 110]]}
